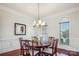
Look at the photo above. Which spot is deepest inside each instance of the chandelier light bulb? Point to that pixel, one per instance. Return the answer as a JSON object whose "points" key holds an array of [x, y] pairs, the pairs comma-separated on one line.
{"points": [[40, 22], [37, 25], [34, 23], [43, 23]]}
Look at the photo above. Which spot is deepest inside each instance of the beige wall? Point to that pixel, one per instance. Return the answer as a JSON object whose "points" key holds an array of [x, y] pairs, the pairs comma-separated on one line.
{"points": [[53, 28], [9, 41]]}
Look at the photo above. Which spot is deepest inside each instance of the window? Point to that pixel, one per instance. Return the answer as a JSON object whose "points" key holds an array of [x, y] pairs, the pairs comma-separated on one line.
{"points": [[64, 31]]}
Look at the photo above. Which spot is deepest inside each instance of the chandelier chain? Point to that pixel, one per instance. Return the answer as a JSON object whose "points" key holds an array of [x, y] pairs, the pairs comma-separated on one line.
{"points": [[38, 10]]}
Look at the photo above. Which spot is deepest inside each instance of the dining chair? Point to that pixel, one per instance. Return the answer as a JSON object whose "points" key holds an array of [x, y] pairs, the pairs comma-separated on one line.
{"points": [[24, 47], [53, 50], [34, 41], [34, 49], [50, 41]]}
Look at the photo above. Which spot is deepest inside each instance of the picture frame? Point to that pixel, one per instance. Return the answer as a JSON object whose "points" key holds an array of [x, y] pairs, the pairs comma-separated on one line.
{"points": [[19, 29]]}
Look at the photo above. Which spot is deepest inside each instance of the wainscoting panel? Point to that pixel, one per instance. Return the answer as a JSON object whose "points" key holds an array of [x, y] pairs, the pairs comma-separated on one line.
{"points": [[9, 45]]}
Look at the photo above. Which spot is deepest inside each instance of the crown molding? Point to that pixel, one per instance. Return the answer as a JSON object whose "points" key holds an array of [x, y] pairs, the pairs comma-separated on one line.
{"points": [[14, 11], [51, 15], [62, 13]]}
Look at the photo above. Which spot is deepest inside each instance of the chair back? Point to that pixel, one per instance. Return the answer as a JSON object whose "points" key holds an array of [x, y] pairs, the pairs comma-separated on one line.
{"points": [[24, 47], [54, 47], [34, 41], [50, 41]]}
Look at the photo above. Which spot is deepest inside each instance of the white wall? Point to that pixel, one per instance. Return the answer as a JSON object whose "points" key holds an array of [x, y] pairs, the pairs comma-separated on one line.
{"points": [[9, 41], [53, 28]]}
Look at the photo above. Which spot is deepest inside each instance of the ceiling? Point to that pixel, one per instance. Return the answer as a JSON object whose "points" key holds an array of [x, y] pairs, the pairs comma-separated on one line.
{"points": [[45, 9]]}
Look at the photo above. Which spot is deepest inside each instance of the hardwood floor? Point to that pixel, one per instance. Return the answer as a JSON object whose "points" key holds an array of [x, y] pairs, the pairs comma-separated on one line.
{"points": [[11, 53], [68, 52], [61, 52]]}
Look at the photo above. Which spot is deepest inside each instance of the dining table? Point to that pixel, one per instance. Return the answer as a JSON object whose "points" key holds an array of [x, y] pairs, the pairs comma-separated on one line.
{"points": [[40, 48]]}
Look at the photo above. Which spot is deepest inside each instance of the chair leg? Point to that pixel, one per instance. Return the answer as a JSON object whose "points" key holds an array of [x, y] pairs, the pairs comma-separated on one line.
{"points": [[55, 54], [21, 52]]}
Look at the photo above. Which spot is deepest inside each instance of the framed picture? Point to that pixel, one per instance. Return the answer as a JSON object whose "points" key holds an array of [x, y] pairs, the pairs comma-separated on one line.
{"points": [[19, 29]]}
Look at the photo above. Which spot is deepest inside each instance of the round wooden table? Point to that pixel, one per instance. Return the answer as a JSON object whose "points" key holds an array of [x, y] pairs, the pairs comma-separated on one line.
{"points": [[40, 48]]}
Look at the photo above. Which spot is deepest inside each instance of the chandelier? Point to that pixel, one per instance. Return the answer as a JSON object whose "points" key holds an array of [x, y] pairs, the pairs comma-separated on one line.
{"points": [[38, 22]]}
